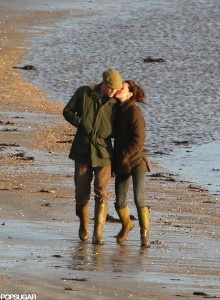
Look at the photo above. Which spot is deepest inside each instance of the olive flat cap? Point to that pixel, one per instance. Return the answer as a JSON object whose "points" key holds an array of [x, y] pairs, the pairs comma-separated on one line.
{"points": [[112, 78]]}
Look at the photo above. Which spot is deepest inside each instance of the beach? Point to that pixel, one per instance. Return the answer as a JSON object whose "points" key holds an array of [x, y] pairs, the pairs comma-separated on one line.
{"points": [[40, 252]]}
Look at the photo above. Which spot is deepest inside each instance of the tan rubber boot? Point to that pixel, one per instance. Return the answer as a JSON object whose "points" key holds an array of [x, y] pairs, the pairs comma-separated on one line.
{"points": [[83, 214], [127, 223], [101, 208], [144, 222]]}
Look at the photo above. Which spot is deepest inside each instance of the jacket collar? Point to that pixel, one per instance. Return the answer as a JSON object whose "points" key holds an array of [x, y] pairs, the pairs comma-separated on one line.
{"points": [[125, 106]]}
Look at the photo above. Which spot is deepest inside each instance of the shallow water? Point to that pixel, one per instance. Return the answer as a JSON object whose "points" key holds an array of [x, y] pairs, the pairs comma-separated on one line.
{"points": [[183, 93], [200, 164]]}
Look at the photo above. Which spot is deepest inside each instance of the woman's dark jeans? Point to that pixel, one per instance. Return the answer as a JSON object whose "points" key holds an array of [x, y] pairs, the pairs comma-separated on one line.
{"points": [[122, 184]]}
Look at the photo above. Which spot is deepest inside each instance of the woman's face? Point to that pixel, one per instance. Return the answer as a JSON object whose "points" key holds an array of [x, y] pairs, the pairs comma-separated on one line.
{"points": [[123, 94]]}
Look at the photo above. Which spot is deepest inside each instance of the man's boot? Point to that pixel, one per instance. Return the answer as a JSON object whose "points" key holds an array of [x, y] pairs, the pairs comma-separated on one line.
{"points": [[101, 208], [144, 222], [127, 223], [83, 213]]}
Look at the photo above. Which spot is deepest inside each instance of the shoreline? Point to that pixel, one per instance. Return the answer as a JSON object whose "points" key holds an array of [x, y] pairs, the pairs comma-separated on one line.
{"points": [[41, 252]]}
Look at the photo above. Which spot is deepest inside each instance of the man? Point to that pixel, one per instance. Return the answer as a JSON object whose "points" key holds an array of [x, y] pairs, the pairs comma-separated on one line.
{"points": [[93, 113]]}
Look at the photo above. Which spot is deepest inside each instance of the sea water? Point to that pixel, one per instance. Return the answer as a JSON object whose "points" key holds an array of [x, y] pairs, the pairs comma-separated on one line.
{"points": [[183, 92], [199, 164]]}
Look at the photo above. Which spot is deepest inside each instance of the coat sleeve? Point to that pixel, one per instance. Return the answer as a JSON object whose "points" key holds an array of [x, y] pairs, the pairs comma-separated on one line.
{"points": [[71, 111], [137, 132]]}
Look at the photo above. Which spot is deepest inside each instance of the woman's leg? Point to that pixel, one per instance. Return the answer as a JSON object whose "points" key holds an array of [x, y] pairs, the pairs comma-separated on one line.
{"points": [[139, 180], [121, 190], [122, 184]]}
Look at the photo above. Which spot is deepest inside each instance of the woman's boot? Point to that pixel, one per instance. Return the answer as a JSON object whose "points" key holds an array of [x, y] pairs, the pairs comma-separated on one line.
{"points": [[144, 222], [101, 208], [83, 213], [127, 223]]}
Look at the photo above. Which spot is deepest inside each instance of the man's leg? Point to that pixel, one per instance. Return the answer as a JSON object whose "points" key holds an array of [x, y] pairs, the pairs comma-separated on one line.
{"points": [[101, 182], [83, 178]]}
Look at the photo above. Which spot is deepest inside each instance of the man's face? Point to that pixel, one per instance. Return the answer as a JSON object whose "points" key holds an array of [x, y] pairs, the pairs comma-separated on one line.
{"points": [[107, 91]]}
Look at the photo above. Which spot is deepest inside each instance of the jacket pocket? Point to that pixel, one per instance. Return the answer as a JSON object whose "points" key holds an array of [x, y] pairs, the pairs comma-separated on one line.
{"points": [[104, 148], [81, 144], [136, 162], [123, 167]]}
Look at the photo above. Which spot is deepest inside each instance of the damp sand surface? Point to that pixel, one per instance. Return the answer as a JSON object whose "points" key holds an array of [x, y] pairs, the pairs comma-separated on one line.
{"points": [[40, 250]]}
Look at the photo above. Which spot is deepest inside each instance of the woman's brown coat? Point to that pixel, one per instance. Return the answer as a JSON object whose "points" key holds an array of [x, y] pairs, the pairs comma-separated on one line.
{"points": [[130, 134]]}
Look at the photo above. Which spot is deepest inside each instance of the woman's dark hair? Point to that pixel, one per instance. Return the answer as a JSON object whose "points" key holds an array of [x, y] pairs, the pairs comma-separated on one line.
{"points": [[138, 92]]}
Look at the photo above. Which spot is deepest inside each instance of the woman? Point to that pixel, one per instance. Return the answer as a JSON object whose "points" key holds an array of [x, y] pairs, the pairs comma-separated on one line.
{"points": [[130, 161]]}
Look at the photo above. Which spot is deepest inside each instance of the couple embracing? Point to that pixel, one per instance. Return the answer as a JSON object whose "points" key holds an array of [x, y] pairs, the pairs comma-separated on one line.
{"points": [[101, 113]]}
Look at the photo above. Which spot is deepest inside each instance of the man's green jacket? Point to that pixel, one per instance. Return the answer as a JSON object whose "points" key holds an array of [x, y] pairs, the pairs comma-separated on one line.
{"points": [[94, 121]]}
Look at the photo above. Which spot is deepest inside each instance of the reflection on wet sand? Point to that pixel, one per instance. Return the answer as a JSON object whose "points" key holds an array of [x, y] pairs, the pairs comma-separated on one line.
{"points": [[122, 259]]}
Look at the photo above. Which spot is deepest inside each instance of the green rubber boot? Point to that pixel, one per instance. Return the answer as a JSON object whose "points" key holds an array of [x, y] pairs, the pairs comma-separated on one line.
{"points": [[127, 223], [83, 213], [144, 222], [101, 208]]}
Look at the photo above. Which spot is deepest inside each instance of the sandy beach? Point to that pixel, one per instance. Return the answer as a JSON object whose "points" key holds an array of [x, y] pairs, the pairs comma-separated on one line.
{"points": [[40, 252]]}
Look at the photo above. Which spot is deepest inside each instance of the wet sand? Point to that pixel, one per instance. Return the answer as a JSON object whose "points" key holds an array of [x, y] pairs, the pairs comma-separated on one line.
{"points": [[40, 251]]}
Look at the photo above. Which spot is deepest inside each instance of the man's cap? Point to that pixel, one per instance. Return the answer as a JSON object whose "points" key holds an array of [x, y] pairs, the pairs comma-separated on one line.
{"points": [[113, 79]]}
